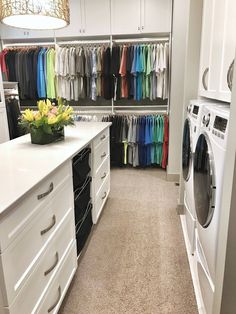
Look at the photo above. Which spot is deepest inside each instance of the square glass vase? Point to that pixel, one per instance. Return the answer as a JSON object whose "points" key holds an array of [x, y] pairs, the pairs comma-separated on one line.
{"points": [[40, 137]]}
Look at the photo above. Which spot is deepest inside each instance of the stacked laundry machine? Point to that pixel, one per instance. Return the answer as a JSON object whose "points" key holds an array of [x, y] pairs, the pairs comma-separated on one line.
{"points": [[204, 147]]}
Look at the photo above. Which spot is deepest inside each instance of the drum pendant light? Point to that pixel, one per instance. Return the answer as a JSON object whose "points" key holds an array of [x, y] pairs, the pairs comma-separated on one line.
{"points": [[35, 14]]}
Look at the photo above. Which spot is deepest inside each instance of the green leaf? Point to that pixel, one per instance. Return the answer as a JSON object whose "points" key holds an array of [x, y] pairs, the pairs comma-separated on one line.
{"points": [[47, 129]]}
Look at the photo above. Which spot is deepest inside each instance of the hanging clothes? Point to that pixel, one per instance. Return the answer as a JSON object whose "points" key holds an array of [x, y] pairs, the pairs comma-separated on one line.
{"points": [[138, 141]]}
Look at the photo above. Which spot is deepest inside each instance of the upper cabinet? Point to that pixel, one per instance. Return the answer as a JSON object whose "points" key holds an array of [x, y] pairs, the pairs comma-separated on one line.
{"points": [[156, 16], [140, 16], [105, 17], [87, 18], [125, 17], [96, 17], [217, 49], [8, 32], [75, 28]]}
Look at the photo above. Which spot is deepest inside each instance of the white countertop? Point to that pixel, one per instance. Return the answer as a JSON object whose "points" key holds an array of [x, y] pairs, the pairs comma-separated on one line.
{"points": [[23, 165]]}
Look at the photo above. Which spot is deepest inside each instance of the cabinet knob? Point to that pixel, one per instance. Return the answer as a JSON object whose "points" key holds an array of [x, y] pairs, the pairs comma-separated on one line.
{"points": [[49, 227], [142, 27], [139, 28], [104, 176], [103, 137], [53, 266], [204, 79], [103, 155], [83, 30], [230, 75]]}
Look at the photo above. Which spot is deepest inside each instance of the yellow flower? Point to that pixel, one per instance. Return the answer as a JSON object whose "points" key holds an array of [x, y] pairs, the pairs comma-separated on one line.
{"points": [[52, 119], [49, 104], [41, 105], [28, 115]]}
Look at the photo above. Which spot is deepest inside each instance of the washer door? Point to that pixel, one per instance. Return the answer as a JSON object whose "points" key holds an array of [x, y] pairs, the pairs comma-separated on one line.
{"points": [[204, 181], [186, 151]]}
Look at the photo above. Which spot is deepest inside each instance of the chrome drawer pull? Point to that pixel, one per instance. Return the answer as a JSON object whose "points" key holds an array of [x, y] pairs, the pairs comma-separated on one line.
{"points": [[53, 266], [46, 193], [103, 137], [104, 196], [57, 301], [49, 227], [104, 176], [204, 79], [103, 155]]}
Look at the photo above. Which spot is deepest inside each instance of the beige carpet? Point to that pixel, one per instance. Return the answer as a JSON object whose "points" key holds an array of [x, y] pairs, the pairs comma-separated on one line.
{"points": [[135, 261]]}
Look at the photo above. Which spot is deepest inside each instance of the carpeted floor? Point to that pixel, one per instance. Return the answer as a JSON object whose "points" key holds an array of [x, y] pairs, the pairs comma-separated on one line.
{"points": [[135, 261]]}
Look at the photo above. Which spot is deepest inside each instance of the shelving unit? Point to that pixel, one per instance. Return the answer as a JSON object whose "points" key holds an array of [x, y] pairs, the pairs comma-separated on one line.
{"points": [[113, 106]]}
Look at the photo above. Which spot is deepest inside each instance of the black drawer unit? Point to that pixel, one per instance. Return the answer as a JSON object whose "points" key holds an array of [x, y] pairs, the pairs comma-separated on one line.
{"points": [[83, 228], [81, 167], [82, 198]]}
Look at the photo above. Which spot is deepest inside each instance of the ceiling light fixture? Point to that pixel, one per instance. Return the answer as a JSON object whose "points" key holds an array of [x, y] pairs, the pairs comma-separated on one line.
{"points": [[35, 14]]}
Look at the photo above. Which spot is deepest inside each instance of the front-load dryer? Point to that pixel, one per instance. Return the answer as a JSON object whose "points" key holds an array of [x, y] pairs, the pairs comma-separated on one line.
{"points": [[208, 176], [190, 135]]}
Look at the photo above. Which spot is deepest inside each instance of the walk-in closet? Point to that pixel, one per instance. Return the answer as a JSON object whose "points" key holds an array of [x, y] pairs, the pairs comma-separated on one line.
{"points": [[117, 156]]}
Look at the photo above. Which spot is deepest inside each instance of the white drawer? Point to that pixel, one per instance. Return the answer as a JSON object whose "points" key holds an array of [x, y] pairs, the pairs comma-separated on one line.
{"points": [[57, 290], [33, 291], [100, 199], [20, 258], [99, 155], [101, 175], [19, 217], [101, 138]]}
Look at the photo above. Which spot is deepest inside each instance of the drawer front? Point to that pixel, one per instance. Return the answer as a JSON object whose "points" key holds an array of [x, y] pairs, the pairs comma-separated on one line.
{"points": [[57, 290], [100, 199], [101, 175], [99, 155], [101, 138], [27, 249], [46, 270], [13, 224]]}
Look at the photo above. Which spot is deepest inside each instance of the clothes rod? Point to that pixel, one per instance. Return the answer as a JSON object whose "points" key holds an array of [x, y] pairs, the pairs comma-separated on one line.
{"points": [[142, 111], [142, 106], [29, 44], [141, 40], [83, 42]]}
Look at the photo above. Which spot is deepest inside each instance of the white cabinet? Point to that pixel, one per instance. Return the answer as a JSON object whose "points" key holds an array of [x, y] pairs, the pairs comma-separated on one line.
{"points": [[4, 133], [140, 16], [8, 32], [217, 49], [75, 27], [125, 16], [156, 16], [87, 18], [100, 173], [96, 17]]}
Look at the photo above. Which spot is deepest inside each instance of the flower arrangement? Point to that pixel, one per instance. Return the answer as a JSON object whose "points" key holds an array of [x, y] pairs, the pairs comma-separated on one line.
{"points": [[46, 125]]}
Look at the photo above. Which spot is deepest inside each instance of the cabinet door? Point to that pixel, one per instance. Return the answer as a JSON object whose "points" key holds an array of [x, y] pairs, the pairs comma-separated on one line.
{"points": [[206, 49], [156, 16], [4, 134], [228, 51], [125, 16], [96, 17], [75, 27], [8, 32]]}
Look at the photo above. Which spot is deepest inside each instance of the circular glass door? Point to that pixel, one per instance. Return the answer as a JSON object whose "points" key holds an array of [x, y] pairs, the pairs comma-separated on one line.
{"points": [[204, 181], [186, 151]]}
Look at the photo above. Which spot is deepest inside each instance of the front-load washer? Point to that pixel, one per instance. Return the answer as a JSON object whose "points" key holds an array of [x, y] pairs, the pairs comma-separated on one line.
{"points": [[190, 135], [208, 176]]}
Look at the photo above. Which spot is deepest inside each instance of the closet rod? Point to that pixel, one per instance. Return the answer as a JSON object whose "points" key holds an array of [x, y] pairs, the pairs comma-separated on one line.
{"points": [[142, 111], [141, 40], [29, 44], [83, 42], [142, 106]]}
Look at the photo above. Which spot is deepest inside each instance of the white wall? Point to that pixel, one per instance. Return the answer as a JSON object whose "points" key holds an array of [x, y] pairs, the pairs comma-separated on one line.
{"points": [[179, 29]]}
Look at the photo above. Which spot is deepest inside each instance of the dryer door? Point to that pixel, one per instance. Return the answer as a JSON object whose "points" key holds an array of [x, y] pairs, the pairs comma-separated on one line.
{"points": [[186, 151], [204, 181]]}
